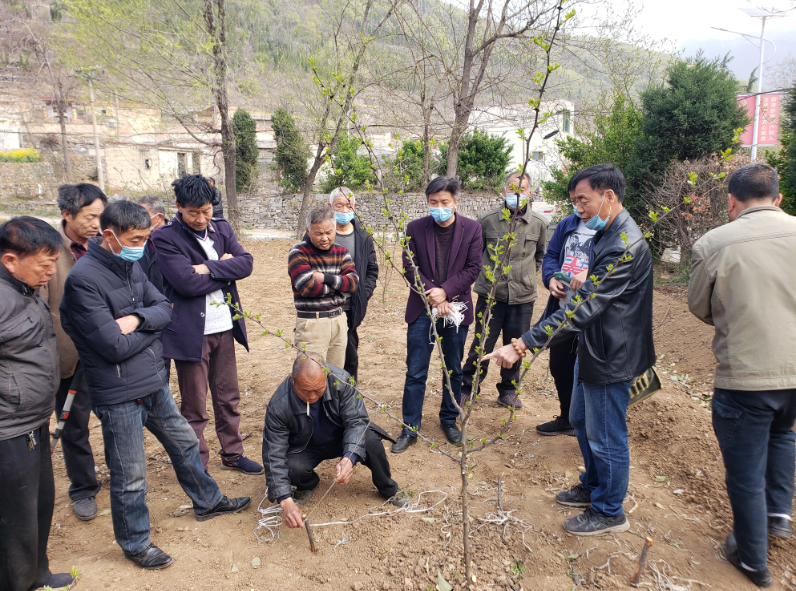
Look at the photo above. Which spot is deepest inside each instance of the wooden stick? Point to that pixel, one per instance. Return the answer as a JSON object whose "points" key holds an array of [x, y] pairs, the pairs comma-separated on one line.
{"points": [[642, 561], [309, 534]]}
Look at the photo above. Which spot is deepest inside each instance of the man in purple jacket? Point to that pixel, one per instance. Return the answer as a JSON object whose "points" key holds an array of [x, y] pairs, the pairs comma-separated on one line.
{"points": [[446, 251], [200, 260]]}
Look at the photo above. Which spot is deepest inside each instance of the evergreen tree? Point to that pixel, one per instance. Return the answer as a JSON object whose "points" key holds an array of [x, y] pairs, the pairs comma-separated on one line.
{"points": [[482, 161], [784, 160], [292, 151], [348, 168], [246, 152]]}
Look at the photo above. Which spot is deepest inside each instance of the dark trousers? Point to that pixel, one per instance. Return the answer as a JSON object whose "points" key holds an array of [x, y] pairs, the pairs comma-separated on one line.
{"points": [[218, 367], [352, 348], [562, 367], [78, 457], [510, 319], [758, 445], [301, 466], [27, 497]]}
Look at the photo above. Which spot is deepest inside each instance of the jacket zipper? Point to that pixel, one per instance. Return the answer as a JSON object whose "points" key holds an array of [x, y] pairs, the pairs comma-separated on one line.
{"points": [[312, 430], [118, 370], [27, 317], [155, 361]]}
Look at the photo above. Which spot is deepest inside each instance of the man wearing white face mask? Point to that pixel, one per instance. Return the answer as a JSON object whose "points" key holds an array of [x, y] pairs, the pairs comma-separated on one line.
{"points": [[516, 291]]}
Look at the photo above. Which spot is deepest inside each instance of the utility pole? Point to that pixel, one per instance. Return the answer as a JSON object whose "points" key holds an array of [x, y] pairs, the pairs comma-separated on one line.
{"points": [[759, 91], [100, 173]]}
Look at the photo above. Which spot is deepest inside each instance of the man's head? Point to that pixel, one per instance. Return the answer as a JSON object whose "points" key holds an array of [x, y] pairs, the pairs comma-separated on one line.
{"points": [[342, 201], [321, 227], [154, 207], [29, 249], [751, 186], [442, 195], [125, 224], [597, 191], [194, 200], [308, 377], [212, 181], [512, 185], [81, 206]]}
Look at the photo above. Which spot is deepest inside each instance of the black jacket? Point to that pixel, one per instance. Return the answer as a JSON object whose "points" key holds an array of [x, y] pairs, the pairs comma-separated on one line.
{"points": [[149, 265], [30, 368], [218, 205], [101, 288], [288, 429], [616, 325]]}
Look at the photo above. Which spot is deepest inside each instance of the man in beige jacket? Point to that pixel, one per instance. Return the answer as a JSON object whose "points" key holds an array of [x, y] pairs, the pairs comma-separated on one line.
{"points": [[81, 206], [742, 282]]}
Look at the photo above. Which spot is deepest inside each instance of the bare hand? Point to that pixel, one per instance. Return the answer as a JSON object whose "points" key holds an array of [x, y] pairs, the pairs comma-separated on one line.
{"points": [[291, 513], [436, 295], [317, 276], [345, 470], [578, 280], [226, 256], [506, 356], [201, 269], [558, 288], [128, 323], [443, 308]]}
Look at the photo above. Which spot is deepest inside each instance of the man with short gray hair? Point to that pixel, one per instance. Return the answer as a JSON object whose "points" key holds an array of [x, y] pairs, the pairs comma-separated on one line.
{"points": [[149, 262], [321, 272]]}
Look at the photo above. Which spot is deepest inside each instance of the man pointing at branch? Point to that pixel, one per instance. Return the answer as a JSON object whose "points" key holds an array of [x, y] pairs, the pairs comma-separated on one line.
{"points": [[612, 312]]}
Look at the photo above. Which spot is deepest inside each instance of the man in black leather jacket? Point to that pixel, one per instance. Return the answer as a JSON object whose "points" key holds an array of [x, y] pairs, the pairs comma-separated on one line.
{"points": [[615, 346], [315, 416]]}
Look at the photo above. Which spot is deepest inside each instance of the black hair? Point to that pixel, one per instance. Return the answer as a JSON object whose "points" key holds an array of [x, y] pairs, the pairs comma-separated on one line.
{"points": [[443, 183], [601, 177], [73, 198], [193, 190], [25, 235], [754, 181], [121, 216]]}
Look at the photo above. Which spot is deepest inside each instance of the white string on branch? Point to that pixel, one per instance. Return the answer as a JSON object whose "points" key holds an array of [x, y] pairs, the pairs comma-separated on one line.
{"points": [[455, 315]]}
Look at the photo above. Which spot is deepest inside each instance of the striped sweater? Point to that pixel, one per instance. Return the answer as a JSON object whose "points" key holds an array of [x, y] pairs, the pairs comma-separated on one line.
{"points": [[339, 276]]}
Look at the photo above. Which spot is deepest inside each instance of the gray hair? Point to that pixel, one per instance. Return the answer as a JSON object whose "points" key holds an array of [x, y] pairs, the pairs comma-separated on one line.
{"points": [[152, 204], [318, 214], [344, 192], [511, 175]]}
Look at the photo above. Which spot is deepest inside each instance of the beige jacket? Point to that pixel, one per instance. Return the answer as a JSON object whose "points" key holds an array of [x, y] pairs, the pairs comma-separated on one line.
{"points": [[743, 282], [53, 292]]}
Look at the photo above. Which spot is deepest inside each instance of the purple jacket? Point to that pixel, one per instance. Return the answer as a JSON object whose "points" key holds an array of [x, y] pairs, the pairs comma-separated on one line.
{"points": [[464, 264], [177, 250]]}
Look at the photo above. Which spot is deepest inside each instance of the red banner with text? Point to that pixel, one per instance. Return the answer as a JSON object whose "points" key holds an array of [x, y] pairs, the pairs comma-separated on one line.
{"points": [[767, 133]]}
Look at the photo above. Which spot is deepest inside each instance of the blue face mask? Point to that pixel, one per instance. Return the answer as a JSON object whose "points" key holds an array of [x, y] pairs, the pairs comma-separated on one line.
{"points": [[597, 223], [129, 253], [343, 218], [511, 200], [441, 214]]}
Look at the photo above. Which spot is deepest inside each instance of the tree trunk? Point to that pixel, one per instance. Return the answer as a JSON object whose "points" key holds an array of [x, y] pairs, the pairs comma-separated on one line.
{"points": [[426, 140], [468, 559], [459, 127], [306, 200], [62, 121]]}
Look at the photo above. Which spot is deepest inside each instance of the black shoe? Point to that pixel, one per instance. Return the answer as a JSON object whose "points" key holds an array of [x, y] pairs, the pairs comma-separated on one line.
{"points": [[153, 558], [780, 527], [761, 578], [85, 509], [507, 400], [245, 465], [592, 523], [301, 497], [403, 443], [452, 433], [558, 426], [225, 505], [577, 496], [399, 499], [59, 581]]}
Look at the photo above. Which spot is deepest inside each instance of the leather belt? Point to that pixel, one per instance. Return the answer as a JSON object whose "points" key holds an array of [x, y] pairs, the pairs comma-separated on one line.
{"points": [[329, 314]]}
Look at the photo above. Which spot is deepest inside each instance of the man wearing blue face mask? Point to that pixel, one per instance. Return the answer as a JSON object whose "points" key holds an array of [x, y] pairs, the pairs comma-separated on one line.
{"points": [[614, 327], [113, 314], [351, 235]]}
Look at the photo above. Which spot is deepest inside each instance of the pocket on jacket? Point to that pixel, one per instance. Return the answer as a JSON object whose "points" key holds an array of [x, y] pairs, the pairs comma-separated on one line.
{"points": [[22, 328], [10, 393]]}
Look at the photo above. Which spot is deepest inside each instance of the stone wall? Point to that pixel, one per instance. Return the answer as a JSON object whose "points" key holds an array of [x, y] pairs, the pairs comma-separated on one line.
{"points": [[40, 180]]}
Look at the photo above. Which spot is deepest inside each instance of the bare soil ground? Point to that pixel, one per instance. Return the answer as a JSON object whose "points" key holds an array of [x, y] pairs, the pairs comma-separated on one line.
{"points": [[677, 494]]}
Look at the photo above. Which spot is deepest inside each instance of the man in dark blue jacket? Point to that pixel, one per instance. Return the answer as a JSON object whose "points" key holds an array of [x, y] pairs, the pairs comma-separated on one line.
{"points": [[200, 260], [113, 314]]}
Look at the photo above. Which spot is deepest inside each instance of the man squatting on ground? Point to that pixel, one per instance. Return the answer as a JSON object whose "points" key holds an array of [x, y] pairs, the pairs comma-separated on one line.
{"points": [[321, 273], [351, 235], [81, 206], [446, 249], [113, 314], [516, 292], [615, 346], [314, 416], [29, 378], [200, 259], [742, 283]]}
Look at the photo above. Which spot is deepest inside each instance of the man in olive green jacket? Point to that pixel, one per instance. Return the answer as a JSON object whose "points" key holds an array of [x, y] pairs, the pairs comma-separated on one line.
{"points": [[516, 292], [742, 282]]}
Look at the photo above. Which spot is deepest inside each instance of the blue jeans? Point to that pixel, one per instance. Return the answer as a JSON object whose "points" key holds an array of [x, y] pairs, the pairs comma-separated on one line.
{"points": [[758, 445], [122, 432], [419, 346], [599, 416]]}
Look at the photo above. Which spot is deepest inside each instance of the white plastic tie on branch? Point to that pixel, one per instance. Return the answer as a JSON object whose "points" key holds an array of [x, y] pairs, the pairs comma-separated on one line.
{"points": [[454, 317]]}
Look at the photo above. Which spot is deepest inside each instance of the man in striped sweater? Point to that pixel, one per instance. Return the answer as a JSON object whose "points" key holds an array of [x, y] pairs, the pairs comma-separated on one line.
{"points": [[321, 272]]}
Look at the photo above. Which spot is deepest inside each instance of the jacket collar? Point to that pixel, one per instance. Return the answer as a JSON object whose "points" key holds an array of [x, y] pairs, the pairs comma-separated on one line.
{"points": [[114, 263], [527, 214], [757, 208], [24, 288], [178, 219], [604, 237]]}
